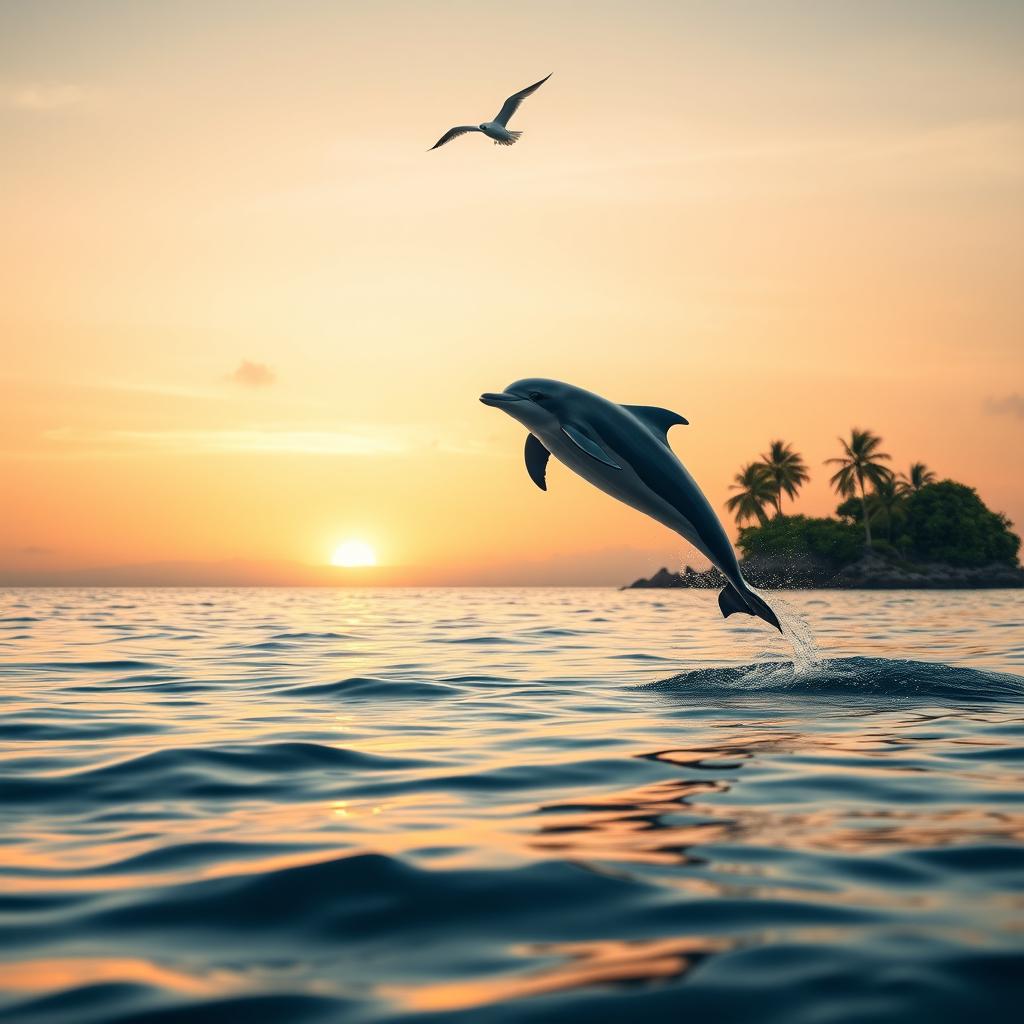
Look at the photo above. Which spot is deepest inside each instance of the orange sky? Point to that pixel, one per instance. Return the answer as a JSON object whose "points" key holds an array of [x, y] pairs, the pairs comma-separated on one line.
{"points": [[781, 220]]}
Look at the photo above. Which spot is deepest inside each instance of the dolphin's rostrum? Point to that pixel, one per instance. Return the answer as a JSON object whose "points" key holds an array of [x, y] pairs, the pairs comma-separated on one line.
{"points": [[624, 451]]}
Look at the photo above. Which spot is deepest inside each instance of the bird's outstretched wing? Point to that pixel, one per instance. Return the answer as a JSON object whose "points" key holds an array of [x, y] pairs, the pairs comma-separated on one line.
{"points": [[454, 133], [511, 105]]}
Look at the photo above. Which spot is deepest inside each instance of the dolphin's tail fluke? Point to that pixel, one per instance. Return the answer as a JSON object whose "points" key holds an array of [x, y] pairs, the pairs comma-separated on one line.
{"points": [[732, 600]]}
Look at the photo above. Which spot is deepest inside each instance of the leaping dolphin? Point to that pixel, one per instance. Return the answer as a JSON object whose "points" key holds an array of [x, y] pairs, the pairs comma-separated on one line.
{"points": [[624, 451]]}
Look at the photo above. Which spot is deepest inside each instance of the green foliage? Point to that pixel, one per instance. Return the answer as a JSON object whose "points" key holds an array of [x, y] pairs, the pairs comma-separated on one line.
{"points": [[919, 519], [918, 476], [761, 484], [860, 467], [834, 542], [786, 469], [887, 506], [755, 491], [852, 510], [948, 522], [885, 549], [860, 463]]}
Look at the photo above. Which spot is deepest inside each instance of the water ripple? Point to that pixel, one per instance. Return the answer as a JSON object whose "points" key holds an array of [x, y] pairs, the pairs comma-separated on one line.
{"points": [[509, 805]]}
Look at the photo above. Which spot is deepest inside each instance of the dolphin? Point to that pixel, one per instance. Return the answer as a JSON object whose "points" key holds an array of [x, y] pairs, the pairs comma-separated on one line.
{"points": [[623, 450]]}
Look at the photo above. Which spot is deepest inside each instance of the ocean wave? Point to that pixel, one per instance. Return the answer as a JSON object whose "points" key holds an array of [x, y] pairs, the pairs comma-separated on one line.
{"points": [[126, 1003], [113, 665], [550, 911], [265, 645], [174, 857], [269, 769], [363, 894], [848, 678], [478, 640], [503, 826], [30, 728], [328, 635], [369, 688]]}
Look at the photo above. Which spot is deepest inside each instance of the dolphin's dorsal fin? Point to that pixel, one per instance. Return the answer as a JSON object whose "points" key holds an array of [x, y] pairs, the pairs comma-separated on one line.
{"points": [[537, 461], [587, 444], [658, 420]]}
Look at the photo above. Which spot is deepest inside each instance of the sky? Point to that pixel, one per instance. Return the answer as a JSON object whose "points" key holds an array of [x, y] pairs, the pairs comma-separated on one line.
{"points": [[246, 316]]}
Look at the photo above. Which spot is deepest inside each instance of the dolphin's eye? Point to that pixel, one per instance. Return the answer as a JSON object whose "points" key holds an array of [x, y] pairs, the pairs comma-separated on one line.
{"points": [[535, 396]]}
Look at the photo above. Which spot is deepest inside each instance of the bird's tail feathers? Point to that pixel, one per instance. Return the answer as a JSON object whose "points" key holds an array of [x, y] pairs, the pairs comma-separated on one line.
{"points": [[510, 141]]}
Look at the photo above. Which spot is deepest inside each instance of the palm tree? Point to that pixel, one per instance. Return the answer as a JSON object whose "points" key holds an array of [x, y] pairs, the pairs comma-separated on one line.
{"points": [[861, 460], [755, 491], [786, 470], [918, 476]]}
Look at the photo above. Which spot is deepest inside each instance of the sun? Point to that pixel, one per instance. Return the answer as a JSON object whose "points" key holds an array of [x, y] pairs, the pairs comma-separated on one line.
{"points": [[353, 553]]}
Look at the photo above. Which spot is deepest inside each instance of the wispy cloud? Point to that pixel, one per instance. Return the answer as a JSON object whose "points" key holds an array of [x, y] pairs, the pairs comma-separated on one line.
{"points": [[253, 375], [44, 96], [213, 392], [149, 388], [353, 441], [1008, 405]]}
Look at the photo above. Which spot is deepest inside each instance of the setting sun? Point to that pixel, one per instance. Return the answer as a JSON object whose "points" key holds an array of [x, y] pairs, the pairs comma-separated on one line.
{"points": [[353, 553]]}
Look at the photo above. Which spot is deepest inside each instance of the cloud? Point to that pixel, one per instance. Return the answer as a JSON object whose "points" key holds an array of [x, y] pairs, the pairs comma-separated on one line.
{"points": [[43, 96], [1008, 405], [168, 390], [353, 441], [253, 375]]}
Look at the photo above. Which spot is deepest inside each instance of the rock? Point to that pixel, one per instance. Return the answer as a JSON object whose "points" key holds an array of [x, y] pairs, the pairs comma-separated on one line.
{"points": [[689, 577], [872, 572]]}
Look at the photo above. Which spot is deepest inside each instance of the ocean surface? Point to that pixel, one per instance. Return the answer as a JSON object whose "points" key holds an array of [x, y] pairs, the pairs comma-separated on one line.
{"points": [[573, 805]]}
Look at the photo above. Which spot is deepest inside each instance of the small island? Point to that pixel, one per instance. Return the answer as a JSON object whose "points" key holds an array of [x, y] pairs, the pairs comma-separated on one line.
{"points": [[891, 531]]}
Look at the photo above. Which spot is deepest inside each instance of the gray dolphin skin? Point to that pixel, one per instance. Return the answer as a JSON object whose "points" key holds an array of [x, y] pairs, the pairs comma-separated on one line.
{"points": [[623, 450]]}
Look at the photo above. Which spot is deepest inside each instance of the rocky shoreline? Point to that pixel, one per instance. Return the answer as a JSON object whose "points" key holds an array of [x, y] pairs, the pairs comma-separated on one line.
{"points": [[870, 573]]}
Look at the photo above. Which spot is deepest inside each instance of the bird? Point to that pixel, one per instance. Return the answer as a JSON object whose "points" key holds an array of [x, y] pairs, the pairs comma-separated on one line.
{"points": [[498, 128]]}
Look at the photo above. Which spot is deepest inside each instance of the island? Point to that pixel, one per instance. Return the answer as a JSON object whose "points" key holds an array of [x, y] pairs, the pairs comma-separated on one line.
{"points": [[907, 531], [868, 573]]}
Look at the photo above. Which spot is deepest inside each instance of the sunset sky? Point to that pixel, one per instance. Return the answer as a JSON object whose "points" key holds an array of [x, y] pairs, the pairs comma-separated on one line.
{"points": [[246, 316]]}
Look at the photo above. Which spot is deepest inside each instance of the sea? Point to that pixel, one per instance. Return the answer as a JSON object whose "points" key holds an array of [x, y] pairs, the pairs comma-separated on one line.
{"points": [[505, 805]]}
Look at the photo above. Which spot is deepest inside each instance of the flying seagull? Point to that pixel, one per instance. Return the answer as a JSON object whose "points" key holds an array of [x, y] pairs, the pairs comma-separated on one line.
{"points": [[498, 128]]}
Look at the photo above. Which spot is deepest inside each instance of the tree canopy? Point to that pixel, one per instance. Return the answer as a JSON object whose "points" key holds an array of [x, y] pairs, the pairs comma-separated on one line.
{"points": [[755, 491], [948, 522], [786, 469], [920, 519], [860, 466], [941, 522], [834, 542], [915, 478]]}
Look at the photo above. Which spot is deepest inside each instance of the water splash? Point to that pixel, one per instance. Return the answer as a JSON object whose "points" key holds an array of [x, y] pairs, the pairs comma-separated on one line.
{"points": [[797, 630]]}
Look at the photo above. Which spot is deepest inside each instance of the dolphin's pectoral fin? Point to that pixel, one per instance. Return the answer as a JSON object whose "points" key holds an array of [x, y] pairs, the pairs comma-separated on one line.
{"points": [[658, 420], [537, 461], [587, 444]]}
